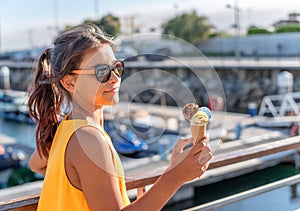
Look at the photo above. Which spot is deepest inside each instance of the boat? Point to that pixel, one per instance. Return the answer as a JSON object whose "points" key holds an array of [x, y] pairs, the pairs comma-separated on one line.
{"points": [[125, 141], [13, 107], [14, 165], [10, 157]]}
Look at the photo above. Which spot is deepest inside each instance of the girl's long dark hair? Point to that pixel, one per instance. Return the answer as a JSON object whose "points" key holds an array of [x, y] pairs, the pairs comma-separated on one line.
{"points": [[46, 94]]}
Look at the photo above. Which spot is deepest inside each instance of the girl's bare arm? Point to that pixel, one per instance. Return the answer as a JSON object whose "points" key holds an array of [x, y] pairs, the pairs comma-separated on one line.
{"points": [[98, 180], [38, 163]]}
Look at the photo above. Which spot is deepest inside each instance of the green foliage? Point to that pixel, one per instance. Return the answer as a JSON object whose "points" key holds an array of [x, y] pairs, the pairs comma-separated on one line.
{"points": [[188, 26], [294, 14], [20, 176], [218, 34], [293, 27], [68, 27], [257, 30], [109, 23]]}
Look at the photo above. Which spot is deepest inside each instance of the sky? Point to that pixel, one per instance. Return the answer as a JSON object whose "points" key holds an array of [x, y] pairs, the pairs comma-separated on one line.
{"points": [[32, 23]]}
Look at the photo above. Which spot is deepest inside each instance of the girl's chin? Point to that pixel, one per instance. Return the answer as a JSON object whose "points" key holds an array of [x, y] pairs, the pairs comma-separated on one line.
{"points": [[110, 102]]}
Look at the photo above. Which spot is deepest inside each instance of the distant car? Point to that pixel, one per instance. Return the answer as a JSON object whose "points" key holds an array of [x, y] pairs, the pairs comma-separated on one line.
{"points": [[156, 47], [5, 56], [9, 158], [126, 52], [27, 55], [20, 56], [155, 57]]}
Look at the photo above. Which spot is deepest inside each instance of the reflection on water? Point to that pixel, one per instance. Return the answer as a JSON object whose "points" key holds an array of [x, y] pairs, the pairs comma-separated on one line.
{"points": [[294, 191], [23, 133]]}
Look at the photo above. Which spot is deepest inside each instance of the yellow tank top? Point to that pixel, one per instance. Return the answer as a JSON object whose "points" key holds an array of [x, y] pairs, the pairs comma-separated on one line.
{"points": [[58, 194]]}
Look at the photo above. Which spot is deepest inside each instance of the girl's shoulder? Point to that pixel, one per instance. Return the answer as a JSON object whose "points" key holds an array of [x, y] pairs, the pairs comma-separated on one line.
{"points": [[90, 142]]}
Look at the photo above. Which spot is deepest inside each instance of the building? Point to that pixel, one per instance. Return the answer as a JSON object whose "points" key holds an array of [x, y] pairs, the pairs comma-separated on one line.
{"points": [[293, 19], [259, 45]]}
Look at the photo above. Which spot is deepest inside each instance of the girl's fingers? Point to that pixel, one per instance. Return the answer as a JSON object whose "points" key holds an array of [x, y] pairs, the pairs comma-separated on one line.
{"points": [[205, 158], [198, 147], [204, 168], [181, 143], [205, 138]]}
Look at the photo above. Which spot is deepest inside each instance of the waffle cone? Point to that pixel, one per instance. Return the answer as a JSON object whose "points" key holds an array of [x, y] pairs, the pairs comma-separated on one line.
{"points": [[198, 132]]}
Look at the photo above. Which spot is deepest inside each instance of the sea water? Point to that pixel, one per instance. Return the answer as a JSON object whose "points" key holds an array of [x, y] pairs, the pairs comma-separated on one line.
{"points": [[22, 133], [282, 199]]}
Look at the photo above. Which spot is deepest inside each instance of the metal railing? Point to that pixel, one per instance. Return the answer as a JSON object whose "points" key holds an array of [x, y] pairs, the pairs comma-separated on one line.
{"points": [[279, 105], [246, 194]]}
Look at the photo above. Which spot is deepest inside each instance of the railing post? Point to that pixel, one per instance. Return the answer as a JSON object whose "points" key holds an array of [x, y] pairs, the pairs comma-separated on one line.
{"points": [[297, 159], [141, 191]]}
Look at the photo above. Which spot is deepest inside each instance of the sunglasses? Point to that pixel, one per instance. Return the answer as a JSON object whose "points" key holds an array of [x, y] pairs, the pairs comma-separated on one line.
{"points": [[103, 71]]}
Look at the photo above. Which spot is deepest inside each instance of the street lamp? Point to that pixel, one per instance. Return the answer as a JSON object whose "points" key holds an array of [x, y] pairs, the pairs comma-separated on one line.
{"points": [[236, 26]]}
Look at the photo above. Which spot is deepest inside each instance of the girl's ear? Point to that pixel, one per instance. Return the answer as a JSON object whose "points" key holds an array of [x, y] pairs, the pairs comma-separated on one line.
{"points": [[68, 82]]}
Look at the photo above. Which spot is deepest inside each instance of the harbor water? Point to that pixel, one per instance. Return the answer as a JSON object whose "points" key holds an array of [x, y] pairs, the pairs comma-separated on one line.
{"points": [[283, 199], [23, 133]]}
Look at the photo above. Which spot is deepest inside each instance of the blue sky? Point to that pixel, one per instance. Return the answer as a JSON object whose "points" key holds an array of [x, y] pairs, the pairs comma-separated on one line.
{"points": [[26, 23]]}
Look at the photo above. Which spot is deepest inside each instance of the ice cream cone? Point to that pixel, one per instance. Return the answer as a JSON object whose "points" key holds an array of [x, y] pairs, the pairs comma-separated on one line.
{"points": [[198, 132], [198, 119]]}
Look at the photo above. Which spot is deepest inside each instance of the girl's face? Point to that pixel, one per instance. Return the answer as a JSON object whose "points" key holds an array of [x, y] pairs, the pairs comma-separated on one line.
{"points": [[89, 92]]}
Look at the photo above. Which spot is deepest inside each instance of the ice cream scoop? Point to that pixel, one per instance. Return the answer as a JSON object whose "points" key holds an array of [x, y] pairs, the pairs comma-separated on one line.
{"points": [[198, 119], [189, 110]]}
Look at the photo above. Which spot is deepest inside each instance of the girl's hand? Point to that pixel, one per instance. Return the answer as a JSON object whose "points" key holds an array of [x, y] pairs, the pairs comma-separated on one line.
{"points": [[190, 163]]}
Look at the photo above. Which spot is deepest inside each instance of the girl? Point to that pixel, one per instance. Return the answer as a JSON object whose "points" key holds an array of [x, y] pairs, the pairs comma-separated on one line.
{"points": [[82, 169]]}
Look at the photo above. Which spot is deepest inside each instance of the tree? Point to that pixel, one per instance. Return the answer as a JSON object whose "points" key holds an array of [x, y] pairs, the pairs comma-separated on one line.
{"points": [[294, 15], [109, 23], [293, 27], [188, 26], [257, 30]]}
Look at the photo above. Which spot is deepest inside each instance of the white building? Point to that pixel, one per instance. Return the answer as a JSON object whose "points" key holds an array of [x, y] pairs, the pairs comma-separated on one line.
{"points": [[275, 45]]}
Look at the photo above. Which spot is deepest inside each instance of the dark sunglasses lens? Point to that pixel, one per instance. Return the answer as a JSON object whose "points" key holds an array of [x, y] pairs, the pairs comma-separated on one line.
{"points": [[102, 73], [119, 68]]}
